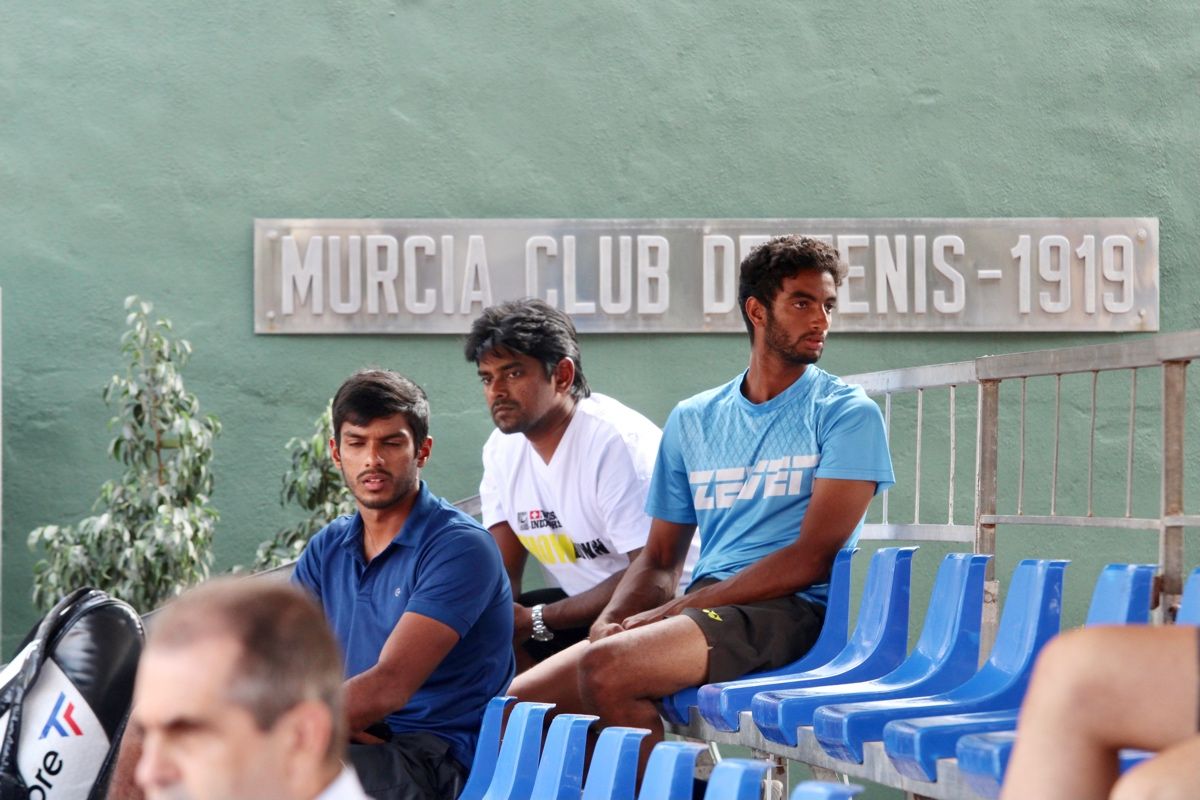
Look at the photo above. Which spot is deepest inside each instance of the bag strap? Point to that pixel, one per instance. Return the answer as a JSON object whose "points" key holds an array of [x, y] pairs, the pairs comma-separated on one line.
{"points": [[14, 695]]}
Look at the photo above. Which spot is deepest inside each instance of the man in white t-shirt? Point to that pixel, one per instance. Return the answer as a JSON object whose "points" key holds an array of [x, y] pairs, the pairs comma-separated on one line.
{"points": [[565, 473]]}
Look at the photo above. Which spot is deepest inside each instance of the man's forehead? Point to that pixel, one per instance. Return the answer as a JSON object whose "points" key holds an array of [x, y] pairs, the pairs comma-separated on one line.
{"points": [[817, 283], [184, 679], [499, 356], [393, 425]]}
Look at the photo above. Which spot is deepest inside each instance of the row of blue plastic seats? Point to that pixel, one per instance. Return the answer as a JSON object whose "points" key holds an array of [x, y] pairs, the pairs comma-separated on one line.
{"points": [[864, 688], [517, 766]]}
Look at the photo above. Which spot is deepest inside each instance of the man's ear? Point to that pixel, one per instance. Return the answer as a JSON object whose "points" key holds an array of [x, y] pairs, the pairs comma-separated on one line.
{"points": [[564, 375], [308, 727], [333, 452], [424, 450], [756, 311]]}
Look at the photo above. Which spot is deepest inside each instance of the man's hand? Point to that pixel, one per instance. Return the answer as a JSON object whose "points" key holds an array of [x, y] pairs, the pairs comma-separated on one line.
{"points": [[670, 609], [602, 629], [522, 623], [362, 737]]}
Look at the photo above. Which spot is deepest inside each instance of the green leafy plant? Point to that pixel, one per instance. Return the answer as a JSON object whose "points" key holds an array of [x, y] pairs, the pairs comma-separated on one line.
{"points": [[152, 535], [316, 485]]}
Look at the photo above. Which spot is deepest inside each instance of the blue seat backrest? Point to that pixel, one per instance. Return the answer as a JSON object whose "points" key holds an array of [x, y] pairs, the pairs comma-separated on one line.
{"points": [[669, 771], [953, 618], [883, 613], [836, 627], [1031, 615], [736, 779], [516, 767], [486, 750], [560, 770], [613, 772], [1122, 595], [1189, 603]]}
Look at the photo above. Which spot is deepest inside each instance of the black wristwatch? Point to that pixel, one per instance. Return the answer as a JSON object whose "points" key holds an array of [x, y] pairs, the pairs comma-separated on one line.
{"points": [[540, 632]]}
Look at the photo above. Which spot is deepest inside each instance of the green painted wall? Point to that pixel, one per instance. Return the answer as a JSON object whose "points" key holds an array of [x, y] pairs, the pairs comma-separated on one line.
{"points": [[138, 141]]}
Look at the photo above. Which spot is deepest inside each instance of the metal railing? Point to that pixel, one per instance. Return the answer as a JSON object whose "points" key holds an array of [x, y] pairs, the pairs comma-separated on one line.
{"points": [[1168, 353]]}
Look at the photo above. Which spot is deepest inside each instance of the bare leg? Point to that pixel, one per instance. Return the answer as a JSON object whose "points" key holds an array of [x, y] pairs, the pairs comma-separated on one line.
{"points": [[555, 680], [1174, 774], [619, 678], [622, 676], [1095, 691]]}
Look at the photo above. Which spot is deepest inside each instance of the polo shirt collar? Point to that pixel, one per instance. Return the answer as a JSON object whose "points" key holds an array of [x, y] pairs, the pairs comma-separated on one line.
{"points": [[409, 535]]}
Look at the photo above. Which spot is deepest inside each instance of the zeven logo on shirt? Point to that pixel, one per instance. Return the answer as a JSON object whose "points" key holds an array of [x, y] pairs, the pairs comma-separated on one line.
{"points": [[777, 477]]}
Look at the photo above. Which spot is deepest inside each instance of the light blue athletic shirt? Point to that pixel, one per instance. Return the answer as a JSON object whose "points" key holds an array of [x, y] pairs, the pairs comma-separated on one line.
{"points": [[743, 472]]}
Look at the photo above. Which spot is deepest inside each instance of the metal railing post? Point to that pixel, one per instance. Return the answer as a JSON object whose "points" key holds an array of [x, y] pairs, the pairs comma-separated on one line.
{"points": [[988, 434], [1170, 539]]}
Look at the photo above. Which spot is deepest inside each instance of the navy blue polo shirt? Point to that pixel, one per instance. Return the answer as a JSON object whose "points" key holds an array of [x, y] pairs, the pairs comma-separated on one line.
{"points": [[441, 565]]}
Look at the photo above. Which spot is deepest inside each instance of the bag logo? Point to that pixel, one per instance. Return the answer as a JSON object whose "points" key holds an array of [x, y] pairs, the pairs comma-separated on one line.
{"points": [[56, 720]]}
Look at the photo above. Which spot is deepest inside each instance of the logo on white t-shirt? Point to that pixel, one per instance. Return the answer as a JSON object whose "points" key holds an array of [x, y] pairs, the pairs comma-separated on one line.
{"points": [[538, 518]]}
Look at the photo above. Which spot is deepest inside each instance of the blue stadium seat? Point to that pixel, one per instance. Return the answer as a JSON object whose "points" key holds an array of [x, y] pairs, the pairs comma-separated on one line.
{"points": [[560, 769], [520, 750], [1189, 603], [823, 790], [946, 655], [1031, 616], [669, 771], [483, 766], [737, 779], [878, 644], [983, 760], [613, 771], [1121, 596], [677, 707], [915, 745]]}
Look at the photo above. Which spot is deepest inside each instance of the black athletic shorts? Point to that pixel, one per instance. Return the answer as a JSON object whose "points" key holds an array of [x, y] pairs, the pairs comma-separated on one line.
{"points": [[411, 766], [540, 651], [756, 636]]}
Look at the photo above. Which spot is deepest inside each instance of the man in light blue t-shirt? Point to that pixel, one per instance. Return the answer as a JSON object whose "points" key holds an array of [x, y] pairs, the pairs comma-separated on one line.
{"points": [[776, 469]]}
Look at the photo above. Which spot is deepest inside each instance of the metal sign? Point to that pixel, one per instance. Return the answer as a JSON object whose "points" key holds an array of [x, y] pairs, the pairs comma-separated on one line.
{"points": [[642, 275]]}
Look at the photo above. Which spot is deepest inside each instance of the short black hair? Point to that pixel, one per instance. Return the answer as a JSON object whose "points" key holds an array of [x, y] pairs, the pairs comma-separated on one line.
{"points": [[372, 394], [768, 265], [532, 328]]}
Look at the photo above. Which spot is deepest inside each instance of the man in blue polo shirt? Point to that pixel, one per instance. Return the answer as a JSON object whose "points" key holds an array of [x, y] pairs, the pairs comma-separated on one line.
{"points": [[416, 593]]}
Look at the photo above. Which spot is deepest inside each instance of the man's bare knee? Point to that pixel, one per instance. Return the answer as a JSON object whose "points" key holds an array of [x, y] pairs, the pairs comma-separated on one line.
{"points": [[600, 669], [1063, 671]]}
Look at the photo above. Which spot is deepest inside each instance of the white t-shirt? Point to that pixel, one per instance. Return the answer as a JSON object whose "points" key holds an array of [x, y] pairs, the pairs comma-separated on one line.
{"points": [[581, 513]]}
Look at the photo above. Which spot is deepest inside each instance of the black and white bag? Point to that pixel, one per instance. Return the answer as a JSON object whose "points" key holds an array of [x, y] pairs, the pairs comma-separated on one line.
{"points": [[65, 697]]}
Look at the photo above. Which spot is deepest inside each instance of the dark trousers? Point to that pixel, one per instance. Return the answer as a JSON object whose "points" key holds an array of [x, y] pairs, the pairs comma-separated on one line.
{"points": [[412, 766]]}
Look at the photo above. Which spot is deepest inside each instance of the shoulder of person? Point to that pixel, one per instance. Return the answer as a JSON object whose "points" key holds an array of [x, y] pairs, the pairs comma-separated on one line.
{"points": [[704, 402], [835, 396], [331, 533], [607, 417]]}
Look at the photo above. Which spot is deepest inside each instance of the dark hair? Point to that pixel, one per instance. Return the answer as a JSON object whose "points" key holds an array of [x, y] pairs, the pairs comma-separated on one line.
{"points": [[768, 265], [288, 654], [371, 394], [532, 328]]}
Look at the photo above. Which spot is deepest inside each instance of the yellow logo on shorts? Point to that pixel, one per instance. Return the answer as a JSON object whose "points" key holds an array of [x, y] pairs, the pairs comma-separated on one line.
{"points": [[712, 614]]}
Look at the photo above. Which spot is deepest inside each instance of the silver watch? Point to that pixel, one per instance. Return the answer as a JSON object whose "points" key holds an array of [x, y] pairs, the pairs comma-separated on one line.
{"points": [[540, 632]]}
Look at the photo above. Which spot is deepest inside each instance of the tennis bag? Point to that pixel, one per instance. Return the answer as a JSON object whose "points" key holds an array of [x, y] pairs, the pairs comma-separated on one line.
{"points": [[65, 697]]}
